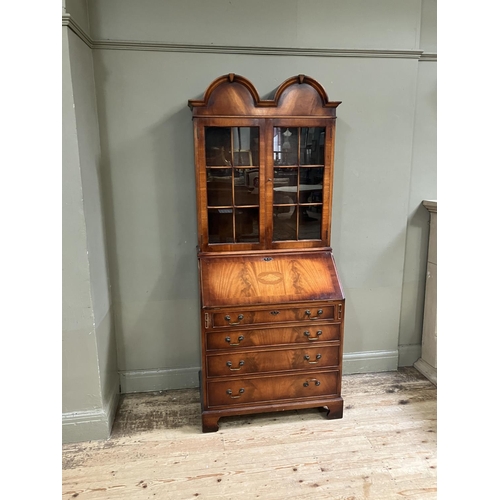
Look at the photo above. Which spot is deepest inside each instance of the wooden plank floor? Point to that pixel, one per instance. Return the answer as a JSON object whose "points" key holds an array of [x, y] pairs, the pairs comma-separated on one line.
{"points": [[384, 448]]}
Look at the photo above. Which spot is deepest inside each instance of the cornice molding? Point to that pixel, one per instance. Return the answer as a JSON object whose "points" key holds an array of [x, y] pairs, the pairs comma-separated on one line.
{"points": [[248, 50], [68, 21]]}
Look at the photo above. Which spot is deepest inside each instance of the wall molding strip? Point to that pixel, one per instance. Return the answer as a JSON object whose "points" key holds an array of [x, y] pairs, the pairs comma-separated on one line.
{"points": [[253, 50], [428, 56], [247, 50], [68, 21]]}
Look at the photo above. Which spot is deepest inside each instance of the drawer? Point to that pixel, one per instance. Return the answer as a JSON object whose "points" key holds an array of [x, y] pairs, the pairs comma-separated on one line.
{"points": [[272, 360], [240, 391], [273, 336], [277, 315]]}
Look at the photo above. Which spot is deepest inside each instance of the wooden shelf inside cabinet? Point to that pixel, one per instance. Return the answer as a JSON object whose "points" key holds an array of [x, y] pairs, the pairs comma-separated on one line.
{"points": [[272, 306]]}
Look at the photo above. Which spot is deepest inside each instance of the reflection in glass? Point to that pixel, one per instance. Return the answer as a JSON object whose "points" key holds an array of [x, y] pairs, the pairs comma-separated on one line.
{"points": [[285, 145], [285, 223], [311, 175], [218, 146], [232, 158], [246, 186], [247, 224], [237, 146], [220, 225], [219, 191], [285, 185], [312, 145], [311, 184], [245, 146], [310, 222]]}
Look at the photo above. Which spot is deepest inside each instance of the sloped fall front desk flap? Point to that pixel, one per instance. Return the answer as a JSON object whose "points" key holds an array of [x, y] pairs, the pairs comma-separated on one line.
{"points": [[268, 279]]}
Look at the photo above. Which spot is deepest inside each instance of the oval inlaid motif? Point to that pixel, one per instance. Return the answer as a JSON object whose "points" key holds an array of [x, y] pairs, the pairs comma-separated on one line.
{"points": [[270, 277]]}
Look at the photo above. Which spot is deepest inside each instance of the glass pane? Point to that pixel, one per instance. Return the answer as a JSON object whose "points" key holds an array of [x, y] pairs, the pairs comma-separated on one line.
{"points": [[312, 146], [285, 185], [311, 185], [285, 146], [219, 191], [218, 146], [310, 222], [285, 223], [246, 146], [220, 225], [246, 186], [247, 224]]}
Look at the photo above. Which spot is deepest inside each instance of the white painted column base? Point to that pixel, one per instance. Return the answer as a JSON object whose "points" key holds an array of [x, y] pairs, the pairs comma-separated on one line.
{"points": [[426, 370]]}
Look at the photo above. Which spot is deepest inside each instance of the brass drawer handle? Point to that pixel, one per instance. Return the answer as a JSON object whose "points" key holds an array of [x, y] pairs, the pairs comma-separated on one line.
{"points": [[316, 382], [320, 312], [228, 318], [308, 335], [274, 313], [240, 338], [240, 364], [230, 392], [307, 358]]}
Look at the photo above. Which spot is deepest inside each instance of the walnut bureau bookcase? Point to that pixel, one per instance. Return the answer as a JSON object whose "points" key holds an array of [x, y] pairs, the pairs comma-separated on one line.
{"points": [[272, 306]]}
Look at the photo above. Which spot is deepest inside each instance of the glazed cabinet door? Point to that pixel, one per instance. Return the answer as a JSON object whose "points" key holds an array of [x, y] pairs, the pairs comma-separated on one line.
{"points": [[230, 159], [301, 163]]}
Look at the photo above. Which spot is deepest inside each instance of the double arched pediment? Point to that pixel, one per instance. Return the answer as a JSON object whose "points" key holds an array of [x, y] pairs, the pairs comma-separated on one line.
{"points": [[232, 95]]}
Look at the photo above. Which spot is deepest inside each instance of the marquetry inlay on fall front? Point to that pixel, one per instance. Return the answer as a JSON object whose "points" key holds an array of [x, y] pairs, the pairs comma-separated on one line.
{"points": [[257, 279], [272, 306]]}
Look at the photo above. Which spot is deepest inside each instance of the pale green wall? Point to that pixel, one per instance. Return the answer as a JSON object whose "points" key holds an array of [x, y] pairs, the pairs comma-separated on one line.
{"points": [[79, 363], [78, 10], [146, 136], [361, 24], [385, 164], [89, 369], [422, 186]]}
